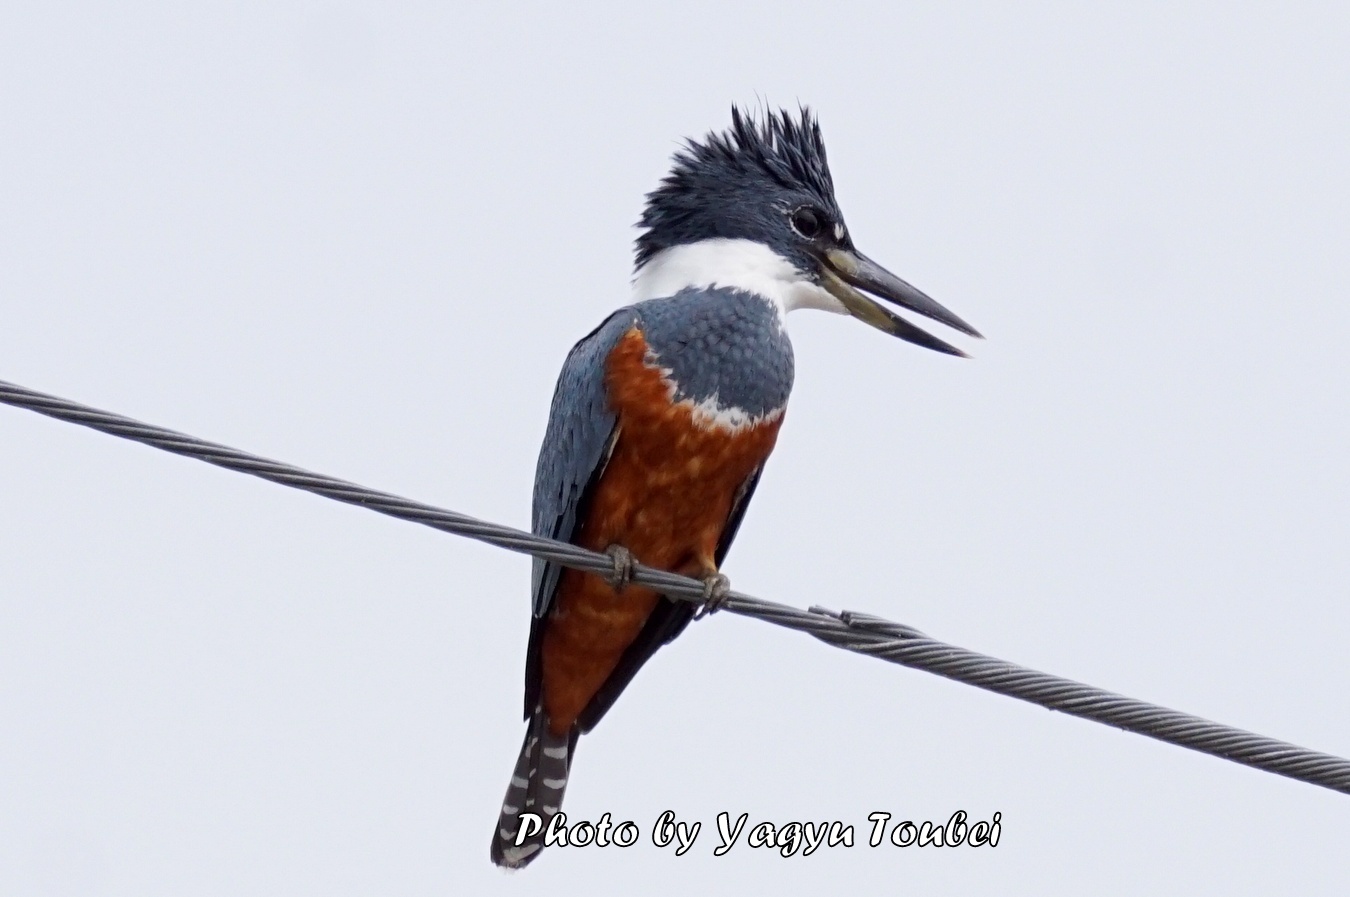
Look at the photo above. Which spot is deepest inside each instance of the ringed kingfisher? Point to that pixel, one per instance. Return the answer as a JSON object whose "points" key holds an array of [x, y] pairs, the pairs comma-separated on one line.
{"points": [[665, 414]]}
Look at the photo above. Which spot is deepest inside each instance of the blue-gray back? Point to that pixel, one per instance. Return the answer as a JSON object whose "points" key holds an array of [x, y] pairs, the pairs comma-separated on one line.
{"points": [[576, 444]]}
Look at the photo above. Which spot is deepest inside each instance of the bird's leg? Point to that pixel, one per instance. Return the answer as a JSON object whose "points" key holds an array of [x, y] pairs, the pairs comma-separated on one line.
{"points": [[622, 573], [716, 587]]}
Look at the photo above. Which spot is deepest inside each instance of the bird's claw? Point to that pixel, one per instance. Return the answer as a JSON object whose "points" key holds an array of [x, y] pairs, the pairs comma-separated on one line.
{"points": [[622, 573], [716, 588]]}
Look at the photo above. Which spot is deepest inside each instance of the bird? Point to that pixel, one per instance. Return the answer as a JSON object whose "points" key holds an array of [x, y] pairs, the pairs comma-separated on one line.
{"points": [[663, 418]]}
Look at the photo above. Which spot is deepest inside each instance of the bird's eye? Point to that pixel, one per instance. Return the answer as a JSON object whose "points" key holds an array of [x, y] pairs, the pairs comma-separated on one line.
{"points": [[808, 222]]}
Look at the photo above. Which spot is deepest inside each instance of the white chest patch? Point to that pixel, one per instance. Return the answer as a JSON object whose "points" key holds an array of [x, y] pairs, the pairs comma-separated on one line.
{"points": [[709, 415], [732, 264]]}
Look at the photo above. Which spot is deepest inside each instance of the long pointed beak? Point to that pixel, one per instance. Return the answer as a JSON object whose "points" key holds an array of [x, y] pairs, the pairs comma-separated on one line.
{"points": [[844, 269]]}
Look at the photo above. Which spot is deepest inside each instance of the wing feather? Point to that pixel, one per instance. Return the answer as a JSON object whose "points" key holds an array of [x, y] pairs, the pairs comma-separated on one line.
{"points": [[577, 444]]}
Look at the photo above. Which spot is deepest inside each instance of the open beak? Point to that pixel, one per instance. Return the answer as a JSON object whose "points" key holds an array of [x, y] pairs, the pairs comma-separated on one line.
{"points": [[843, 270]]}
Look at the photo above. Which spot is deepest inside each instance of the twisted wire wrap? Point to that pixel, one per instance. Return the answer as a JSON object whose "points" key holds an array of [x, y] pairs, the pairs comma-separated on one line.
{"points": [[857, 632]]}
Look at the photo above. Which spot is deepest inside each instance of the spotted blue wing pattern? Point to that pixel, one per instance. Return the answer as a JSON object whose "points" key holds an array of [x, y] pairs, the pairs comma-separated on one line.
{"points": [[577, 444]]}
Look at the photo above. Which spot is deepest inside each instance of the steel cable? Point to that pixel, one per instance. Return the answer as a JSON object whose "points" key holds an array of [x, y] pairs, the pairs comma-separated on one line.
{"points": [[857, 632]]}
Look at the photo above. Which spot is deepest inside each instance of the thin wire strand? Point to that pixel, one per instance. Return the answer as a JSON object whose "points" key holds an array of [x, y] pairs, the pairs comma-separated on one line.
{"points": [[857, 632]]}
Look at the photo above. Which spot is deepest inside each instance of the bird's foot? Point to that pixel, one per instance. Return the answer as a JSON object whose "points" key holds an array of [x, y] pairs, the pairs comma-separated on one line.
{"points": [[623, 561], [716, 588]]}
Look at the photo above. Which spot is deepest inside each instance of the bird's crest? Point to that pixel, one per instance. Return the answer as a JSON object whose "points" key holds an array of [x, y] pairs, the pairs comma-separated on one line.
{"points": [[785, 150]]}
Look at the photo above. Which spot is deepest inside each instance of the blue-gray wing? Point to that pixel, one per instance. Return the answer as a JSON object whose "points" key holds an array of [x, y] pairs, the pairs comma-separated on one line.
{"points": [[577, 444]]}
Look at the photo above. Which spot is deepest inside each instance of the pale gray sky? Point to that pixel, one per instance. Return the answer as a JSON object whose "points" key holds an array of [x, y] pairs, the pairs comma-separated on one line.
{"points": [[362, 240]]}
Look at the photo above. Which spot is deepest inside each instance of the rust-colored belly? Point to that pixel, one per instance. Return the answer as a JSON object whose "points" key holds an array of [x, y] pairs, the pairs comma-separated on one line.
{"points": [[665, 496]]}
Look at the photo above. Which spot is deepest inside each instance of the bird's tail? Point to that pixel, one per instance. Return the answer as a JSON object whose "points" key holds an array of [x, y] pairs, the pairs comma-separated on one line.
{"points": [[536, 787]]}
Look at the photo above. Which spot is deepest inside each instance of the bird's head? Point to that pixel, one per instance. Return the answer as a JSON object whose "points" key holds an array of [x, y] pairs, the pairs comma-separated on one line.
{"points": [[753, 208]]}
